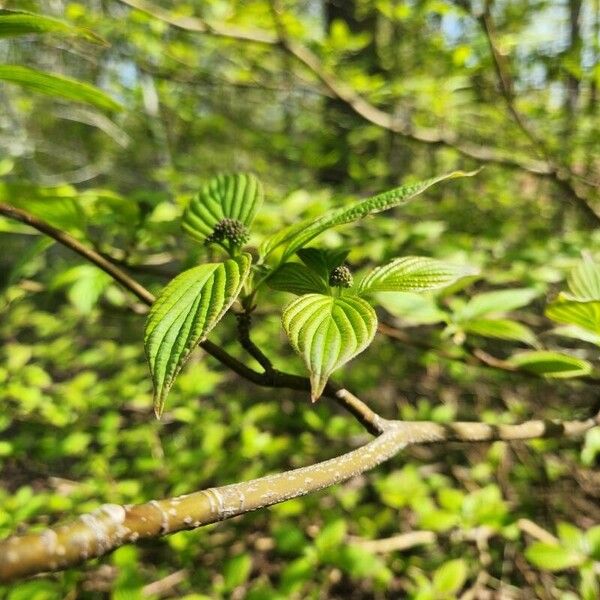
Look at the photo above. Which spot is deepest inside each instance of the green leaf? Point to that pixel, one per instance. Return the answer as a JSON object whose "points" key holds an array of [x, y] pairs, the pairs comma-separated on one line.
{"points": [[450, 577], [552, 557], [582, 313], [228, 196], [500, 301], [322, 261], [584, 281], [592, 542], [236, 571], [412, 308], [327, 332], [58, 86], [502, 329], [331, 536], [297, 279], [184, 313], [577, 333], [17, 22], [412, 274], [551, 364], [300, 234]]}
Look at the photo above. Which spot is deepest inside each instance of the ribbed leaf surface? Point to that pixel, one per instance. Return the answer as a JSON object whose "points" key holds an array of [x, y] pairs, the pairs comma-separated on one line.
{"points": [[327, 332], [183, 315], [412, 274], [229, 196], [297, 237], [584, 281], [584, 314], [297, 279]]}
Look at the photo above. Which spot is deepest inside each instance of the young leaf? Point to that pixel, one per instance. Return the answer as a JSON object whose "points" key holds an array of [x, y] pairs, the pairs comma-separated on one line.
{"points": [[582, 313], [297, 279], [183, 315], [412, 274], [552, 556], [300, 234], [57, 86], [18, 22], [551, 364], [577, 333], [327, 332], [236, 196], [584, 281], [322, 261], [500, 301], [450, 577], [502, 329]]}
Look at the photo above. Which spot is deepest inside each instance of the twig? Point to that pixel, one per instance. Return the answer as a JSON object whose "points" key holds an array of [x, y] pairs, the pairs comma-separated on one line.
{"points": [[272, 378], [558, 173], [367, 111]]}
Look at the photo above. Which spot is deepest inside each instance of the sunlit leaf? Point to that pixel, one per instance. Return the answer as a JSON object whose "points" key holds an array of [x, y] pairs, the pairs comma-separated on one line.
{"points": [[584, 281], [299, 235], [582, 313], [327, 332], [450, 577], [17, 22], [229, 196], [183, 315], [551, 364], [502, 329], [412, 274], [552, 557], [57, 86]]}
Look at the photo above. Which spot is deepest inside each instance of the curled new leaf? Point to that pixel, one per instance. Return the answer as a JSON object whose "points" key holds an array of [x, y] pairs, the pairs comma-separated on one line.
{"points": [[236, 196], [327, 332], [183, 315], [412, 274]]}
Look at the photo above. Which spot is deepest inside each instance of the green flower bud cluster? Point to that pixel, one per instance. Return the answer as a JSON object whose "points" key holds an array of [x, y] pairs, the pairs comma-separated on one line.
{"points": [[340, 277], [229, 230]]}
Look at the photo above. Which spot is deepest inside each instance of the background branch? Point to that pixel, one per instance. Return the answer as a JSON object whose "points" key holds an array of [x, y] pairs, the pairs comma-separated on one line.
{"points": [[561, 176]]}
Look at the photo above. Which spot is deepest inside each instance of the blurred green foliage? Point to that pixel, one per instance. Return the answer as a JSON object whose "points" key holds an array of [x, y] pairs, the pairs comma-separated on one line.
{"points": [[76, 425]]}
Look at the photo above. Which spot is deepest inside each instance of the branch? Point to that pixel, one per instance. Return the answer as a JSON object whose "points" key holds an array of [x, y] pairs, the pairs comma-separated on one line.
{"points": [[367, 111], [113, 525], [271, 378], [561, 175]]}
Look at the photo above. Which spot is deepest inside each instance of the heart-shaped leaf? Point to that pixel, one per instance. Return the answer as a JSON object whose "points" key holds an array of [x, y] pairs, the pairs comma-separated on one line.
{"points": [[297, 279], [327, 332], [235, 196], [298, 235], [184, 313], [412, 274]]}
